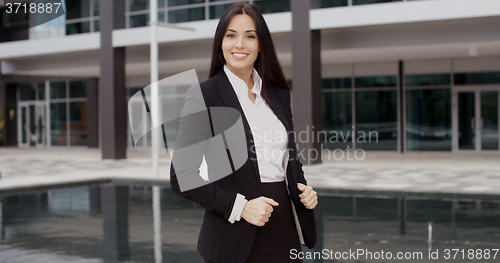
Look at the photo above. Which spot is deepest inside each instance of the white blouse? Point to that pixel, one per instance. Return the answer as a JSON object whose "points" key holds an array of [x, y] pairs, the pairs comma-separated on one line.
{"points": [[269, 134]]}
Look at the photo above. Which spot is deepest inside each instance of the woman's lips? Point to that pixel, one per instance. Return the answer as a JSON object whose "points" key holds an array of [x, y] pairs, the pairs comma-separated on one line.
{"points": [[239, 56]]}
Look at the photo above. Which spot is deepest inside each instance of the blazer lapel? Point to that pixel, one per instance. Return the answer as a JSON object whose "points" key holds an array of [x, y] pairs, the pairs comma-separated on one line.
{"points": [[229, 98], [278, 108]]}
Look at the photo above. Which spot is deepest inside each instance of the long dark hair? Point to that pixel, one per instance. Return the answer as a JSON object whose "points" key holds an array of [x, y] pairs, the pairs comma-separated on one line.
{"points": [[266, 64]]}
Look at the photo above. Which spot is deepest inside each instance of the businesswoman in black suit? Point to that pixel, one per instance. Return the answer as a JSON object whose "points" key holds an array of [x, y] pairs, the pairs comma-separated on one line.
{"points": [[263, 210]]}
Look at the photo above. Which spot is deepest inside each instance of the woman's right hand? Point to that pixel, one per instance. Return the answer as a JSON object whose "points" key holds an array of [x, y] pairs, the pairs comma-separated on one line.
{"points": [[257, 211]]}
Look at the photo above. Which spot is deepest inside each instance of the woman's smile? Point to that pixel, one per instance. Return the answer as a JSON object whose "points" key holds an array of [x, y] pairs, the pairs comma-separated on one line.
{"points": [[239, 55]]}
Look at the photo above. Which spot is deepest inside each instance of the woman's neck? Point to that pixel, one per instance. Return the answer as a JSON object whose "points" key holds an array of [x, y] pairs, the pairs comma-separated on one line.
{"points": [[245, 75]]}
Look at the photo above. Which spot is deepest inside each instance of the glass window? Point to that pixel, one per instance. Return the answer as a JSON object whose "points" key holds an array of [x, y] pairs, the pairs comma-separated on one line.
{"points": [[81, 9], [58, 90], [96, 7], [96, 26], [24, 125], [77, 89], [428, 80], [477, 78], [139, 20], [78, 123], [58, 127], [364, 2], [143, 19], [137, 5], [378, 81], [428, 120], [41, 91], [272, 6], [161, 16], [185, 15], [333, 3], [184, 2], [336, 83], [216, 11], [489, 115], [376, 120], [27, 92], [77, 28], [43, 29], [466, 114], [337, 120], [15, 19]]}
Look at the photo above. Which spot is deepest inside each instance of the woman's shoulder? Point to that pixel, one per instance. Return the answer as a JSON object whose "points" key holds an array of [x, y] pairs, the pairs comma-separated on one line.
{"points": [[210, 82], [209, 87], [282, 91], [206, 90]]}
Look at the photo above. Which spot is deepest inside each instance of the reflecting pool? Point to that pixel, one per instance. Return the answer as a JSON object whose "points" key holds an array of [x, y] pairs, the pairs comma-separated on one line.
{"points": [[113, 222]]}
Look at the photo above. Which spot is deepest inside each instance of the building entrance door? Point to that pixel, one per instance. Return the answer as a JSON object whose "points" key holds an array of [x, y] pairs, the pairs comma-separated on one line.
{"points": [[32, 128], [476, 119]]}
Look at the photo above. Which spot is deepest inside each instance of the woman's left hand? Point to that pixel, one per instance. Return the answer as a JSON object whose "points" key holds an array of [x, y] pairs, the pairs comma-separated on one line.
{"points": [[309, 197]]}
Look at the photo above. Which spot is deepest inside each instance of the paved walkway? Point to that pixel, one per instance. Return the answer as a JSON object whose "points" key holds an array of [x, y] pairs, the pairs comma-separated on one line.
{"points": [[416, 172]]}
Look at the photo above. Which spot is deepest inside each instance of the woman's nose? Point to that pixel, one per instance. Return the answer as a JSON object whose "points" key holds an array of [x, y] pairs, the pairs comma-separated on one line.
{"points": [[239, 43]]}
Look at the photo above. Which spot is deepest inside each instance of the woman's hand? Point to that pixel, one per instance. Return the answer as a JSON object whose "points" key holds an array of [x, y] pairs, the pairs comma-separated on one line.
{"points": [[309, 197], [257, 211]]}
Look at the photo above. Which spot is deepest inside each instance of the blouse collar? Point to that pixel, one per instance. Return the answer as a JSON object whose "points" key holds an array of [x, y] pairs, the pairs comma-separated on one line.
{"points": [[240, 87]]}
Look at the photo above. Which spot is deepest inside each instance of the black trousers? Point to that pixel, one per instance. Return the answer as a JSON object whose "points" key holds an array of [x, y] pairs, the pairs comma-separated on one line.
{"points": [[278, 236]]}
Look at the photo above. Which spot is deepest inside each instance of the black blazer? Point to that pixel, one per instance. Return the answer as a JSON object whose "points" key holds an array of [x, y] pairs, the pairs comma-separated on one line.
{"points": [[219, 240]]}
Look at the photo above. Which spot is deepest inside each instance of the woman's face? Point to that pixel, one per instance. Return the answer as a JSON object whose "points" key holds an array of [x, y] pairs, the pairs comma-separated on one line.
{"points": [[240, 45]]}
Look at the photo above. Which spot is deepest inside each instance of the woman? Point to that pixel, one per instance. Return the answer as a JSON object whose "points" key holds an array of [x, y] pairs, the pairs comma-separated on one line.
{"points": [[262, 210]]}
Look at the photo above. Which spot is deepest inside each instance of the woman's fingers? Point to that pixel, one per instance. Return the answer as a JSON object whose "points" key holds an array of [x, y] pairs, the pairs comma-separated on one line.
{"points": [[306, 191], [309, 197], [258, 211], [268, 201]]}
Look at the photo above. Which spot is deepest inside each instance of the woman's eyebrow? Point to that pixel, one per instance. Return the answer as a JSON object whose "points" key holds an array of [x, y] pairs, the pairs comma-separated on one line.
{"points": [[250, 30]]}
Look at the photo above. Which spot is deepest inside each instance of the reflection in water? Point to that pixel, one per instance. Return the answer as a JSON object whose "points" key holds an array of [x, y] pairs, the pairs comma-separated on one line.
{"points": [[114, 203], [112, 223], [157, 224], [1, 223]]}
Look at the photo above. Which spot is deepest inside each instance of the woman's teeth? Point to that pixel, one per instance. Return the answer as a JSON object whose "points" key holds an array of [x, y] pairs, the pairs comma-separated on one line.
{"points": [[240, 55]]}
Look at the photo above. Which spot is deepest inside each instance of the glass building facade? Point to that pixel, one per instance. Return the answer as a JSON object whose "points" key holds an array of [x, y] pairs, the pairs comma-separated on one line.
{"points": [[52, 113], [362, 112], [428, 107]]}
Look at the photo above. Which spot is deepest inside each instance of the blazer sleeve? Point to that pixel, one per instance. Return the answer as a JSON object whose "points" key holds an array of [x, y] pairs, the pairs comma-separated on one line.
{"points": [[194, 130], [288, 109]]}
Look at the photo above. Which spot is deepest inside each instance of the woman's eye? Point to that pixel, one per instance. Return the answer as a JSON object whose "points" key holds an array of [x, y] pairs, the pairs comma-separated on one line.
{"points": [[230, 35], [251, 36]]}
